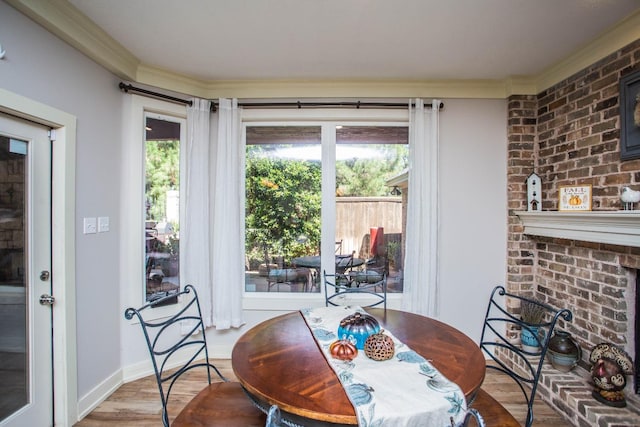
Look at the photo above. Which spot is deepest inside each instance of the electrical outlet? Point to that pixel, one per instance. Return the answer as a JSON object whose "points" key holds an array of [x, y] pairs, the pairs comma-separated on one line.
{"points": [[103, 224], [89, 225]]}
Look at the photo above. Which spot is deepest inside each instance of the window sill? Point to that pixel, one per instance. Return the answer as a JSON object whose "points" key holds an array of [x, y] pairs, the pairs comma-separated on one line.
{"points": [[611, 227]]}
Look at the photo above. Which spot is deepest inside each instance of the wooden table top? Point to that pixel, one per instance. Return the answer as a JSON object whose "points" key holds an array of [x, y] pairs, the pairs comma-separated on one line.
{"points": [[279, 362]]}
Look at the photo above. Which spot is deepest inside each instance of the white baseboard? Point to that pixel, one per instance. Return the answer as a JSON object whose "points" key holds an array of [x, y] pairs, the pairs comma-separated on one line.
{"points": [[98, 394], [102, 391], [145, 368]]}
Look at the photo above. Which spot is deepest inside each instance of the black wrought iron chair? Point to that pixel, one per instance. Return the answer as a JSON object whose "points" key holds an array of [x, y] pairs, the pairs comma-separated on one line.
{"points": [[525, 365], [176, 346], [360, 285], [273, 417], [473, 414]]}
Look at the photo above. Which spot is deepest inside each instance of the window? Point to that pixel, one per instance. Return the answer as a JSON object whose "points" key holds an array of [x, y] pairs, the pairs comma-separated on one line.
{"points": [[369, 213], [282, 223], [150, 229], [285, 224], [162, 206]]}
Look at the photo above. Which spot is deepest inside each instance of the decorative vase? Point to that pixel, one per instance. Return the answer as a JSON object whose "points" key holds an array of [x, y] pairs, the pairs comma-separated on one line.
{"points": [[564, 353], [529, 338], [357, 328]]}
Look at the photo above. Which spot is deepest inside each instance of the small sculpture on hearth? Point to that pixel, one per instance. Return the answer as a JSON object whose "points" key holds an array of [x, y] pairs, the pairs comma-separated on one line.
{"points": [[629, 198], [610, 366]]}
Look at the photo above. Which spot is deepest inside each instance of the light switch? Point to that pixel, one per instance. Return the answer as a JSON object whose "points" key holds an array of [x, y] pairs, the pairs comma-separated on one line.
{"points": [[103, 224], [89, 225]]}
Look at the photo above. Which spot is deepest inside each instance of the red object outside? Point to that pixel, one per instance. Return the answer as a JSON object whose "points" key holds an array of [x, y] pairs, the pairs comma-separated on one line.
{"points": [[377, 240]]}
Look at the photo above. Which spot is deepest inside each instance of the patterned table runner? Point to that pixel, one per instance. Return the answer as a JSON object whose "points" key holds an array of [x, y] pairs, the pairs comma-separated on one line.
{"points": [[405, 390]]}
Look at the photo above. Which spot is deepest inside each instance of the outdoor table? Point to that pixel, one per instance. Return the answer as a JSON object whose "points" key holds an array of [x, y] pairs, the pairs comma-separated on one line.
{"points": [[278, 362], [313, 261]]}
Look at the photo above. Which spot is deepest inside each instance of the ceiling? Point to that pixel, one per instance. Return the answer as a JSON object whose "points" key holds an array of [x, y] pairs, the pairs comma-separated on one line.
{"points": [[354, 39], [195, 44]]}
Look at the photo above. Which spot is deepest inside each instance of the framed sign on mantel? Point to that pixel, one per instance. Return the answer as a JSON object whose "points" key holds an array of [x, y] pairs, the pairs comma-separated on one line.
{"points": [[574, 198]]}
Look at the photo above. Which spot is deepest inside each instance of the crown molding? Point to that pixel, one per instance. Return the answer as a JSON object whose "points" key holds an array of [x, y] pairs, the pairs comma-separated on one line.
{"points": [[320, 88], [64, 20]]}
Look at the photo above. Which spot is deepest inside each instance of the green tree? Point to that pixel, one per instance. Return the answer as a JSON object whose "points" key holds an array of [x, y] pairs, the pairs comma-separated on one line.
{"points": [[368, 176], [283, 205], [162, 173]]}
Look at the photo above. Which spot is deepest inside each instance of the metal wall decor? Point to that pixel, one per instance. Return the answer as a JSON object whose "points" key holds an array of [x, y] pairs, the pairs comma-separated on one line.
{"points": [[630, 116]]}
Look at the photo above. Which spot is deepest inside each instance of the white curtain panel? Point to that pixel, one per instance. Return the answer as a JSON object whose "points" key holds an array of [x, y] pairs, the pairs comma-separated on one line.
{"points": [[195, 255], [420, 294], [227, 240]]}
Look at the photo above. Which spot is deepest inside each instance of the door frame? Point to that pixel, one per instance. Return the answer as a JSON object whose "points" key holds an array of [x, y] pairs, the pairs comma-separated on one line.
{"points": [[65, 400]]}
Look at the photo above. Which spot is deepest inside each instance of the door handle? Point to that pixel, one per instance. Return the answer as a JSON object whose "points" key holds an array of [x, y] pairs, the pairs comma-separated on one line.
{"points": [[47, 299]]}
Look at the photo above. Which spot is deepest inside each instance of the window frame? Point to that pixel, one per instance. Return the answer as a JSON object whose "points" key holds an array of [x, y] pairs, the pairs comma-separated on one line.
{"points": [[327, 120], [132, 251]]}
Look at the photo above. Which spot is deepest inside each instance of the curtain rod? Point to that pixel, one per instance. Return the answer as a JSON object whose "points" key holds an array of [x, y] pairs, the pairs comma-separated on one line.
{"points": [[297, 104]]}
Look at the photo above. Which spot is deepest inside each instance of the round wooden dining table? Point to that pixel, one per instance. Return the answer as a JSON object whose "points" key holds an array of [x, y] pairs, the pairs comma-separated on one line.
{"points": [[278, 362]]}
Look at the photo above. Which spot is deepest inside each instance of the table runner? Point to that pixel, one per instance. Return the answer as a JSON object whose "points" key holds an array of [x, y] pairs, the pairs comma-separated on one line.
{"points": [[406, 390]]}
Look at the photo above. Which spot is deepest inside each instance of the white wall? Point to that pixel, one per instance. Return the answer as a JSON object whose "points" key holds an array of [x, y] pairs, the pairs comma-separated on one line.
{"points": [[473, 180], [41, 67]]}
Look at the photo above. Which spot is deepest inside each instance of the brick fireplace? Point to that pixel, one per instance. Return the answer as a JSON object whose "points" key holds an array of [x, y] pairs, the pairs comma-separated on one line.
{"points": [[569, 135]]}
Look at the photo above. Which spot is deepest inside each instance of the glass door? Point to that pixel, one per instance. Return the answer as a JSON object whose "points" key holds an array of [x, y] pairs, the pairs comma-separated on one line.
{"points": [[25, 284]]}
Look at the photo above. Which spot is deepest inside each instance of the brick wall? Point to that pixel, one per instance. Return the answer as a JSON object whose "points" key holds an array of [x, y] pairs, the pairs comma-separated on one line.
{"points": [[569, 134], [12, 237]]}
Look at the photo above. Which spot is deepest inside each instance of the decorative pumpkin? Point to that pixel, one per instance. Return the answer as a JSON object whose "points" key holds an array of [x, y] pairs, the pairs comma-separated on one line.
{"points": [[343, 350], [357, 328], [379, 347]]}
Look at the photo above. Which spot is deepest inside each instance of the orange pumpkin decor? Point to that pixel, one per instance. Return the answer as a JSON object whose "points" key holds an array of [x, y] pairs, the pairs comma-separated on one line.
{"points": [[343, 350], [575, 200], [379, 347]]}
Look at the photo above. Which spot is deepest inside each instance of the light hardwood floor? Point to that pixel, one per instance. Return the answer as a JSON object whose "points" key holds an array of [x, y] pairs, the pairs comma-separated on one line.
{"points": [[138, 403]]}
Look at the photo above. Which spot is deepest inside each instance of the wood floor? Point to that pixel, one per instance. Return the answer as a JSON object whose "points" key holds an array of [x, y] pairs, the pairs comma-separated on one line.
{"points": [[138, 404]]}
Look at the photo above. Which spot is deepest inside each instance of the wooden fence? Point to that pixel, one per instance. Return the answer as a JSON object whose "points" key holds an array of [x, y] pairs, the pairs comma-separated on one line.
{"points": [[356, 216]]}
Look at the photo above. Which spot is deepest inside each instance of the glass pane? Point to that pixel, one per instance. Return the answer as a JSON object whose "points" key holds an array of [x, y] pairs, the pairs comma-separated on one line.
{"points": [[282, 212], [13, 295], [369, 209], [162, 207]]}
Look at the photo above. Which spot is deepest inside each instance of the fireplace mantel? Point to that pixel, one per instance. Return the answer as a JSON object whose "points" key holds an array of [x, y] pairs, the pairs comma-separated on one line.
{"points": [[612, 227]]}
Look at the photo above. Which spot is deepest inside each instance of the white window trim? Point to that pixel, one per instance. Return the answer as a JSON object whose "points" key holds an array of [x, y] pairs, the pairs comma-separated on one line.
{"points": [[327, 119]]}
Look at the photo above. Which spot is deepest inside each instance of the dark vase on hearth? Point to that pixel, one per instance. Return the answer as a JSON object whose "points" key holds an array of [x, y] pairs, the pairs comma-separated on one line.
{"points": [[563, 352]]}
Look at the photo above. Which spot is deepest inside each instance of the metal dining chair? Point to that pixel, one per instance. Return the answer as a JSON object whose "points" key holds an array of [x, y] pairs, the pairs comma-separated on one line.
{"points": [[273, 417], [178, 345], [473, 414], [361, 284], [525, 365]]}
